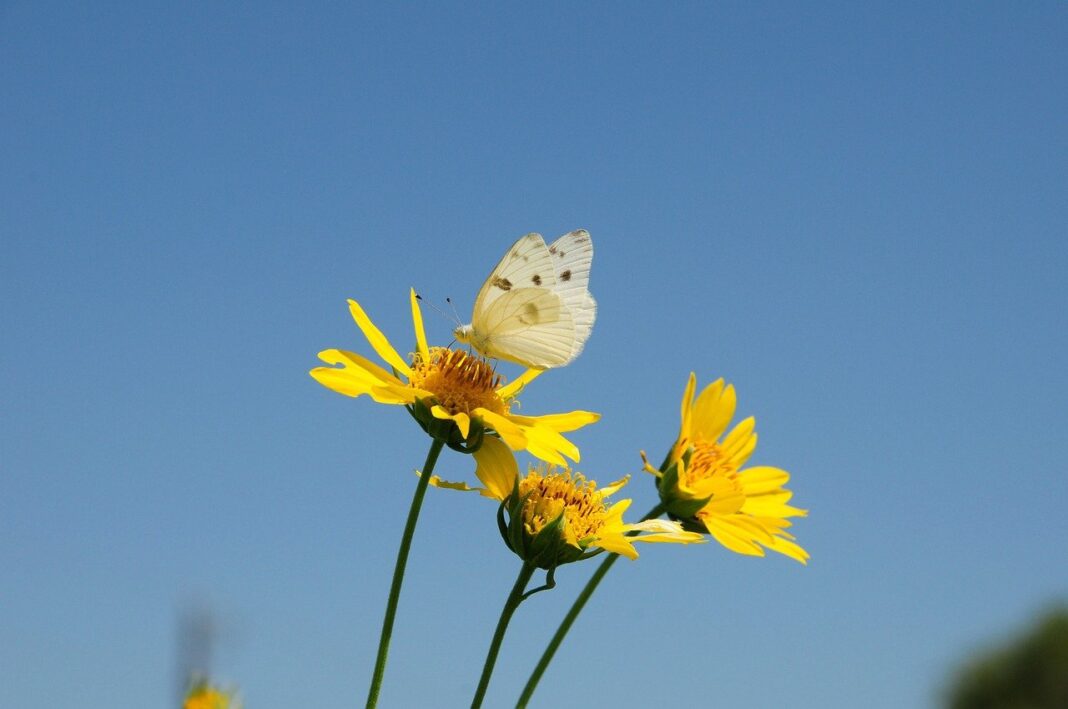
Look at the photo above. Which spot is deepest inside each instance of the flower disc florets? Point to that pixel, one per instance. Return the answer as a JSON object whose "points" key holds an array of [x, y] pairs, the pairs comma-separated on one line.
{"points": [[460, 382], [553, 517]]}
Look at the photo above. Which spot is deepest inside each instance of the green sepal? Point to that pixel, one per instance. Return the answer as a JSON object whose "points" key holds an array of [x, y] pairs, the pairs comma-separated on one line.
{"points": [[446, 430], [516, 533], [686, 508], [543, 549], [502, 526], [669, 480]]}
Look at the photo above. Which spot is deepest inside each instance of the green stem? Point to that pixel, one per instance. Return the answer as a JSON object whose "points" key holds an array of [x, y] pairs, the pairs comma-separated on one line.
{"points": [[514, 599], [398, 572], [569, 619]]}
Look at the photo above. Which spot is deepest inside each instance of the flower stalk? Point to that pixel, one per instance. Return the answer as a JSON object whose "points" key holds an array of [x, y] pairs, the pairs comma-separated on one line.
{"points": [[572, 615], [398, 572], [511, 603]]}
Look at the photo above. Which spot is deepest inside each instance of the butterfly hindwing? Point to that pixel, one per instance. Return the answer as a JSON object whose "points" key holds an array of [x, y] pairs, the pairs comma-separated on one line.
{"points": [[531, 326], [572, 256]]}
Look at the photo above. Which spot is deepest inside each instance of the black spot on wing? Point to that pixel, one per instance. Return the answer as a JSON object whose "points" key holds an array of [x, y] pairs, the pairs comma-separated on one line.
{"points": [[502, 283], [536, 279], [566, 276]]}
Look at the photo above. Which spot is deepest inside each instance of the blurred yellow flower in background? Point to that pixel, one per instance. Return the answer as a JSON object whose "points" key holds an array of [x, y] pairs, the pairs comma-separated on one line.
{"points": [[702, 482], [456, 396], [204, 696]]}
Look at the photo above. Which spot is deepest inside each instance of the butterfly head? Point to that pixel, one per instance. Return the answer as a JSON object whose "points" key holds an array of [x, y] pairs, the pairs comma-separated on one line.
{"points": [[463, 334]]}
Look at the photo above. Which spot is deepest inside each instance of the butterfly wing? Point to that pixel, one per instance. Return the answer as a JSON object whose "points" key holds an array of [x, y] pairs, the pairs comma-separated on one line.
{"points": [[572, 258], [527, 263], [529, 326]]}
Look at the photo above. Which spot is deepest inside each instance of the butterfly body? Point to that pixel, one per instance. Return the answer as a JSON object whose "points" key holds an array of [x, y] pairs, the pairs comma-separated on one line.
{"points": [[535, 308]]}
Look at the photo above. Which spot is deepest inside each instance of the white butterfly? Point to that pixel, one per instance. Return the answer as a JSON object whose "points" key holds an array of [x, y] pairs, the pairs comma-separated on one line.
{"points": [[534, 309]]}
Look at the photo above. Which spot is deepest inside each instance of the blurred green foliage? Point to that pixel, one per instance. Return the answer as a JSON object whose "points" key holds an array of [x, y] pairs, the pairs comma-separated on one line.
{"points": [[1028, 672]]}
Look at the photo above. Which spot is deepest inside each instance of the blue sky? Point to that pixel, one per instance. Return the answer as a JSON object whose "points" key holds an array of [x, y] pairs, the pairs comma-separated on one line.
{"points": [[856, 214]]}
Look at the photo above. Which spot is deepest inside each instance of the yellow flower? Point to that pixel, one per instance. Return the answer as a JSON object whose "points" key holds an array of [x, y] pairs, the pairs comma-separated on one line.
{"points": [[703, 484], [456, 396], [557, 516], [203, 696]]}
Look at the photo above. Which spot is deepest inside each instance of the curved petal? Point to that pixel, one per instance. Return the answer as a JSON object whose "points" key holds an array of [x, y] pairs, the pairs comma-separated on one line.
{"points": [[495, 466], [511, 433], [462, 420], [514, 387], [612, 488], [740, 442], [377, 340], [420, 333], [617, 543], [548, 445]]}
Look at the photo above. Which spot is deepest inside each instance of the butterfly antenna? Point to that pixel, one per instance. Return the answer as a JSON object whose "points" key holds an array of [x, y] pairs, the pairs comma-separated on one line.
{"points": [[455, 315], [438, 310]]}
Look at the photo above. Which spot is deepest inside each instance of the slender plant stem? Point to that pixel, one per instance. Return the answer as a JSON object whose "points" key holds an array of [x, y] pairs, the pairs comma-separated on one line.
{"points": [[513, 601], [569, 619], [398, 572]]}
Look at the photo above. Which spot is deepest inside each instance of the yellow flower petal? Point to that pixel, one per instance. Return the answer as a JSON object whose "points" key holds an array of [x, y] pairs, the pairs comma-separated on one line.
{"points": [[740, 443], [496, 468], [762, 478], [377, 340], [448, 485], [612, 488], [542, 442], [462, 420], [420, 333], [512, 388], [687, 406], [713, 410], [512, 434], [355, 377], [562, 423]]}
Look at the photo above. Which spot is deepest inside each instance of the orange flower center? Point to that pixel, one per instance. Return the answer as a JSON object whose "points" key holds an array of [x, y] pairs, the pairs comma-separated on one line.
{"points": [[460, 382], [549, 494], [707, 460]]}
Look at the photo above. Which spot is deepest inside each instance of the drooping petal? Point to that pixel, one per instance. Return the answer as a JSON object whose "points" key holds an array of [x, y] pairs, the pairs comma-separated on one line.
{"points": [[377, 340], [449, 485], [417, 322], [462, 420], [512, 434], [543, 441], [496, 468]]}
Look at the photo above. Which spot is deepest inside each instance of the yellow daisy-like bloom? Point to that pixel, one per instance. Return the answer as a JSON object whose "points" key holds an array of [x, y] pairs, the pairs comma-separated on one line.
{"points": [[204, 696], [450, 388], [703, 483], [558, 516]]}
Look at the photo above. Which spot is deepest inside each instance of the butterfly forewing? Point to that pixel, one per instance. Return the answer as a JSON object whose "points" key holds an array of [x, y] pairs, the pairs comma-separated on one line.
{"points": [[527, 264]]}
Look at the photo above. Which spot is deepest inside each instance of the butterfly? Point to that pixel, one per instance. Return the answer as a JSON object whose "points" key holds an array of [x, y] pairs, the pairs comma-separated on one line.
{"points": [[535, 309]]}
